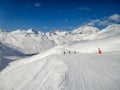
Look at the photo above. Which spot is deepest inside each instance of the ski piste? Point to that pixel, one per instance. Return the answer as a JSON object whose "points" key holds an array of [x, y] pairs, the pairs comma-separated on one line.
{"points": [[47, 67]]}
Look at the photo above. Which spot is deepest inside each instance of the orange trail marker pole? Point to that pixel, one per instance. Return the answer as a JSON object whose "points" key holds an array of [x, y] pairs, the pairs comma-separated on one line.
{"points": [[99, 51]]}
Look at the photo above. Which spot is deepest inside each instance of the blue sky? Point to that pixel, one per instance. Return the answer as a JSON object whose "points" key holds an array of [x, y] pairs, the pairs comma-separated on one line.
{"points": [[46, 15]]}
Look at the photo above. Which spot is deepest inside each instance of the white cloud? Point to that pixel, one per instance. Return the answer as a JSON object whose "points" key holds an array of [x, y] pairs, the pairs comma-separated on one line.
{"points": [[115, 17], [84, 8], [37, 4], [104, 23], [93, 22], [100, 22]]}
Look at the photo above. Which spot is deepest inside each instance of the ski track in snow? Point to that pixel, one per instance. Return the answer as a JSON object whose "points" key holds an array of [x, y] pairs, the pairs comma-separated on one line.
{"points": [[64, 72], [44, 74], [53, 70], [92, 71]]}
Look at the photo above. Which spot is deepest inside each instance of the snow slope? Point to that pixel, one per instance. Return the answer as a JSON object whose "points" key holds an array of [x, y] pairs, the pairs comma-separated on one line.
{"points": [[111, 30], [92, 71], [8, 55], [36, 73], [60, 68], [7, 51], [54, 70], [91, 46]]}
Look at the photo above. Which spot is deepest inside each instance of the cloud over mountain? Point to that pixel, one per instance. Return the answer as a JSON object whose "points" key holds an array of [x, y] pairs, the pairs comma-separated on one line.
{"points": [[115, 17], [108, 20]]}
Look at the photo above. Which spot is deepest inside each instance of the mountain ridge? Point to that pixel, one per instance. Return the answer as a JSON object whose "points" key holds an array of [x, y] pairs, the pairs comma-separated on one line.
{"points": [[32, 41]]}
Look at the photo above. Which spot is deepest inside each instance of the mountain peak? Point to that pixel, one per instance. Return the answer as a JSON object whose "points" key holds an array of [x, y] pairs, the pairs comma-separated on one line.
{"points": [[86, 30], [32, 31]]}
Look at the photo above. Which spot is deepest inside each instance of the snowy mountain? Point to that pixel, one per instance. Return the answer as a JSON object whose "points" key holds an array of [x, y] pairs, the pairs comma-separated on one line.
{"points": [[74, 64], [20, 44], [7, 51], [111, 30], [86, 30], [3, 35], [8, 55], [33, 42], [64, 37], [29, 41]]}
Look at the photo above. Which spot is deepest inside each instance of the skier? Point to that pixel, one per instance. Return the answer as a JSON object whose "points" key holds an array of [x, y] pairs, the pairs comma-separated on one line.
{"points": [[74, 52]]}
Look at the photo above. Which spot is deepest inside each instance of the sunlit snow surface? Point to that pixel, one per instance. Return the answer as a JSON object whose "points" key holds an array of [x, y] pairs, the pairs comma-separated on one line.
{"points": [[54, 70], [60, 68]]}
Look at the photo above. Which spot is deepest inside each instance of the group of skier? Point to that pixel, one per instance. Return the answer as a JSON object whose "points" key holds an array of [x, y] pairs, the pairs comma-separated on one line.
{"points": [[70, 52]]}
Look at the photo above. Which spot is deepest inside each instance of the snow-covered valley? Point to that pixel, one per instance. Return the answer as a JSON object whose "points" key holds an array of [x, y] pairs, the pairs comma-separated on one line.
{"points": [[61, 60]]}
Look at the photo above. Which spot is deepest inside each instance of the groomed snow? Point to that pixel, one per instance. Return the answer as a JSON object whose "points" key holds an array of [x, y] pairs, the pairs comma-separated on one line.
{"points": [[92, 71], [44, 73]]}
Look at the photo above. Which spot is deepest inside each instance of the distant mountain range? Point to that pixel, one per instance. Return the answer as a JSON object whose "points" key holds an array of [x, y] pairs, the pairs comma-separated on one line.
{"points": [[65, 60], [33, 42]]}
